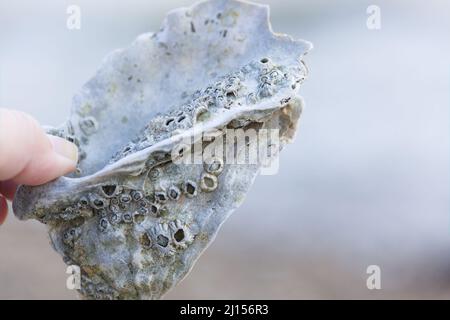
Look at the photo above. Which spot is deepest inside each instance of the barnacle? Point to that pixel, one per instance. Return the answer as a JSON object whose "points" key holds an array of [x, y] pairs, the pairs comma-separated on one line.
{"points": [[136, 215], [208, 182]]}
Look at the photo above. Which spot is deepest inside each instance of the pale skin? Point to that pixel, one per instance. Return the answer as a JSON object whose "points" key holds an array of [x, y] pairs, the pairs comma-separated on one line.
{"points": [[29, 156]]}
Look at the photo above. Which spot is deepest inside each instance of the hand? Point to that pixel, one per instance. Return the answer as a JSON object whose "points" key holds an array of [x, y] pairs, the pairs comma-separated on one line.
{"points": [[29, 156]]}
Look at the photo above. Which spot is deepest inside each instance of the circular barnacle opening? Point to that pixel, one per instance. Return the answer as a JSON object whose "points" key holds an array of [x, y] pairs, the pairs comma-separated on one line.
{"points": [[169, 121], [137, 195], [209, 182], [89, 125], [190, 188], [174, 193], [84, 202], [139, 217], [162, 240], [90, 122], [109, 190], [127, 149], [127, 217], [145, 240], [160, 196], [231, 96], [114, 218], [103, 225], [154, 173], [264, 60], [143, 204], [179, 235], [214, 165], [99, 203], [125, 198], [154, 208]]}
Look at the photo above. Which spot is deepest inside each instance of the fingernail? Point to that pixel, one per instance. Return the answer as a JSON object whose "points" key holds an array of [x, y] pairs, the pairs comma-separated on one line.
{"points": [[64, 148]]}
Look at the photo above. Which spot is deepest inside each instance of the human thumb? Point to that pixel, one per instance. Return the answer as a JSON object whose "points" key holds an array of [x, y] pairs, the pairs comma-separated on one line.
{"points": [[28, 155]]}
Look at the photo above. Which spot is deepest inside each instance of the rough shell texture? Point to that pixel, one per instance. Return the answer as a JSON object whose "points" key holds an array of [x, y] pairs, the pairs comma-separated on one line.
{"points": [[132, 218]]}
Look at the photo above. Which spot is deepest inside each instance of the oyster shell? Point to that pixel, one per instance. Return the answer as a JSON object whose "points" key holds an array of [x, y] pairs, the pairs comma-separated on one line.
{"points": [[136, 216]]}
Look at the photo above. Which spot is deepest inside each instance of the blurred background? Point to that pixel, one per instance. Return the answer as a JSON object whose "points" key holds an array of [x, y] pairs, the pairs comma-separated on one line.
{"points": [[365, 183]]}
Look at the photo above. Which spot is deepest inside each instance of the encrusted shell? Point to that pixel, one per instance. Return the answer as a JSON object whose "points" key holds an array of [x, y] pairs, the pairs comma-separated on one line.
{"points": [[132, 218]]}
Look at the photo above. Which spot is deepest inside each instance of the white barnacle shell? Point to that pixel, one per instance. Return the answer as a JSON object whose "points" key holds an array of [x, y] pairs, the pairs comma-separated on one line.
{"points": [[133, 219]]}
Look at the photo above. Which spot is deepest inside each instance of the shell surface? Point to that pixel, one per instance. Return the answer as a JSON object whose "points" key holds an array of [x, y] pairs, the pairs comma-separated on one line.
{"points": [[136, 215]]}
